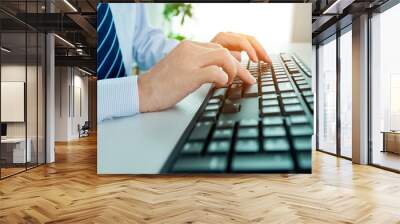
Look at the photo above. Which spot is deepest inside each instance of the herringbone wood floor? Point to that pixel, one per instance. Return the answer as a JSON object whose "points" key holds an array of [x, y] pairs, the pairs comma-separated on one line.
{"points": [[70, 191]]}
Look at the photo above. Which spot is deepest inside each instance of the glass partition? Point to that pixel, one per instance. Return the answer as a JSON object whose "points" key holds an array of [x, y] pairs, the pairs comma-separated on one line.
{"points": [[385, 89], [346, 93], [327, 96], [23, 91], [14, 153]]}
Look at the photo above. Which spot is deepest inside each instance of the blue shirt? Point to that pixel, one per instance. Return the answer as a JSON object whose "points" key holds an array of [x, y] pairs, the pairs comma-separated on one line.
{"points": [[141, 44]]}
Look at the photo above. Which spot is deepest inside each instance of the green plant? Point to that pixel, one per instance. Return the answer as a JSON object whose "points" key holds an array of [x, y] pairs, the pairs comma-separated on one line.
{"points": [[182, 10]]}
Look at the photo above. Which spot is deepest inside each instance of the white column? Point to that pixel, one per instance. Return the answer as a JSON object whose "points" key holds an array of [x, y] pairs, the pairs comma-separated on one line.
{"points": [[50, 99], [360, 90]]}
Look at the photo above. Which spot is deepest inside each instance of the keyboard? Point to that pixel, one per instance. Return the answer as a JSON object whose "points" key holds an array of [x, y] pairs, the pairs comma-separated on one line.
{"points": [[261, 128]]}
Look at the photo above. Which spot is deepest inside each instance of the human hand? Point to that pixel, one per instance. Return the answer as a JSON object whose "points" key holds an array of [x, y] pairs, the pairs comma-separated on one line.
{"points": [[184, 70], [239, 42]]}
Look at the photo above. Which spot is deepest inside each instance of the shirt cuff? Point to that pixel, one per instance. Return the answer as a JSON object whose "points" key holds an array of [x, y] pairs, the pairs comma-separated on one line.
{"points": [[117, 97]]}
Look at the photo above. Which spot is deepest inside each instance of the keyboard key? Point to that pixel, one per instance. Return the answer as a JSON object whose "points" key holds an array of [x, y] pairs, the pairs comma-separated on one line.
{"points": [[298, 78], [223, 134], [297, 75], [200, 131], [238, 81], [278, 77], [293, 108], [220, 93], [230, 107], [247, 133], [285, 57], [288, 94], [226, 124], [279, 162], [250, 91], [285, 86], [274, 131], [214, 101], [267, 83], [301, 130], [302, 143], [276, 144], [269, 96], [268, 121], [310, 99], [270, 103], [292, 100], [301, 82], [268, 89], [298, 119], [219, 147], [212, 107], [307, 93], [271, 110], [195, 164], [249, 145], [193, 148], [248, 123], [304, 87], [280, 80], [267, 78], [235, 92], [209, 115]]}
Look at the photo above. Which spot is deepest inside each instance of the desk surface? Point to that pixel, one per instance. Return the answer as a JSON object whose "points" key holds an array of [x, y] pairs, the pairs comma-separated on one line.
{"points": [[391, 132], [141, 144], [13, 140]]}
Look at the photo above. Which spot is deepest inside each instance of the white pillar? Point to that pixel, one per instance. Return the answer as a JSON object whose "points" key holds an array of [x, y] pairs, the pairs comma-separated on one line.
{"points": [[360, 90], [50, 99]]}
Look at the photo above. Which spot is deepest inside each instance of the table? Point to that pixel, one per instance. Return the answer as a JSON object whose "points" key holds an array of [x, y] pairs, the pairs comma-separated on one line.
{"points": [[391, 141], [13, 150]]}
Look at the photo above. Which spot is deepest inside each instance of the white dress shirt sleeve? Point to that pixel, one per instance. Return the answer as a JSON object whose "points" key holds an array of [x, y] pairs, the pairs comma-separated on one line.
{"points": [[145, 45], [117, 98]]}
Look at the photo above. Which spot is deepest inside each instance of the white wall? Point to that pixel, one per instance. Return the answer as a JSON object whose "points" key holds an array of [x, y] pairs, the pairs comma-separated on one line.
{"points": [[259, 20], [69, 82], [15, 72], [33, 127], [291, 34]]}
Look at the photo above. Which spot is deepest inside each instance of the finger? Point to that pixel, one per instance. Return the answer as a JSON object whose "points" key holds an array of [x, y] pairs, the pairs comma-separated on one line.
{"points": [[245, 75], [237, 55], [244, 44], [221, 58], [207, 45], [261, 53], [212, 74]]}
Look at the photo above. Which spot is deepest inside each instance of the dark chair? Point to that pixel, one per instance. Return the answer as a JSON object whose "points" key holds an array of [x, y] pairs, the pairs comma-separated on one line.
{"points": [[84, 129]]}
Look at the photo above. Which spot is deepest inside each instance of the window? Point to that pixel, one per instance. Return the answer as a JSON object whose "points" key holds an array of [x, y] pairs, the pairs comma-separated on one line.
{"points": [[346, 93], [385, 89], [327, 96]]}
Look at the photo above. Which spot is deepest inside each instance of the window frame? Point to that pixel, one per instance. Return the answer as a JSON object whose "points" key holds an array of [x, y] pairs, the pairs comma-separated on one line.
{"points": [[334, 37]]}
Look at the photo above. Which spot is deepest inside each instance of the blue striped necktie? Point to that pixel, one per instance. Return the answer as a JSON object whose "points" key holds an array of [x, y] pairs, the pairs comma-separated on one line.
{"points": [[109, 56]]}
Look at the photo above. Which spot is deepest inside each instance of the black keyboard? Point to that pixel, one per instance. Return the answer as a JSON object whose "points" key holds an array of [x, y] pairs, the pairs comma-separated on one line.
{"points": [[260, 128]]}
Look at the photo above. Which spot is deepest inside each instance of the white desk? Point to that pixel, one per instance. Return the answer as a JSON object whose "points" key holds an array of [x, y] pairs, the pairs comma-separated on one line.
{"points": [[18, 150], [142, 143]]}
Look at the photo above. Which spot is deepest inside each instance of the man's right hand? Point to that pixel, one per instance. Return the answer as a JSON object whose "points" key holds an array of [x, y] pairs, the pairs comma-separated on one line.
{"points": [[184, 70]]}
